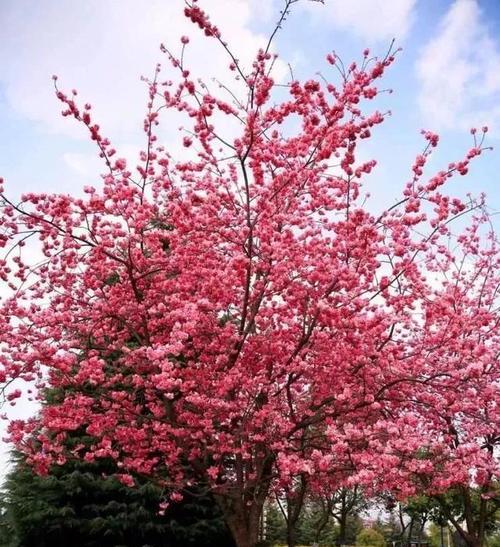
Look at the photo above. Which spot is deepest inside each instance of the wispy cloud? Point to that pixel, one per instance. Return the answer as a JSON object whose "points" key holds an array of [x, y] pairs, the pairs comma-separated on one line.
{"points": [[370, 20], [459, 71], [103, 47]]}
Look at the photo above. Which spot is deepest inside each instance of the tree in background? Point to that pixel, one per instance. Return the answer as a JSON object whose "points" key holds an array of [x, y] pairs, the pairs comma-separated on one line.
{"points": [[464, 510], [275, 524], [279, 326], [291, 502], [306, 531], [84, 505], [474, 513], [418, 510], [368, 537], [342, 505]]}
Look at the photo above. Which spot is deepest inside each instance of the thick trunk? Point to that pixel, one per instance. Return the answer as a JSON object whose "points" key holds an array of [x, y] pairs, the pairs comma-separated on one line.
{"points": [[242, 503], [470, 540], [470, 536], [245, 532], [244, 526], [242, 514], [474, 541]]}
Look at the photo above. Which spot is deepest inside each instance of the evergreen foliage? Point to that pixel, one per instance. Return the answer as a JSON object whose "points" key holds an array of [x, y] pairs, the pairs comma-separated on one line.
{"points": [[81, 505]]}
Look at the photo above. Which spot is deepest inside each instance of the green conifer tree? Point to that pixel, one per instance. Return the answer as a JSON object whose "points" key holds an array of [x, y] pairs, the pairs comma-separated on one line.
{"points": [[83, 505]]}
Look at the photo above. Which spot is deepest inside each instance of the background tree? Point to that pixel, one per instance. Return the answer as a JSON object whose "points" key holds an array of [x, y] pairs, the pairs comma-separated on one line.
{"points": [[275, 524], [291, 503], [418, 510], [306, 531], [396, 524], [473, 512], [439, 536], [84, 505], [343, 506], [368, 537], [447, 510]]}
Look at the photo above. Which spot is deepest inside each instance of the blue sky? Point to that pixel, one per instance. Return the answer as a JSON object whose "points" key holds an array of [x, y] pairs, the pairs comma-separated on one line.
{"points": [[446, 79]]}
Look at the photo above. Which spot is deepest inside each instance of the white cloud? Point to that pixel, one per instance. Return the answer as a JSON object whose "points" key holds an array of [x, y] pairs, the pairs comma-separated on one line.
{"points": [[86, 165], [102, 48], [459, 71], [371, 20]]}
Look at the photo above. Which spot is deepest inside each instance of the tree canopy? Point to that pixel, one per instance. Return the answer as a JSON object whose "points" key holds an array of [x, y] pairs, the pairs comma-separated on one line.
{"points": [[241, 308]]}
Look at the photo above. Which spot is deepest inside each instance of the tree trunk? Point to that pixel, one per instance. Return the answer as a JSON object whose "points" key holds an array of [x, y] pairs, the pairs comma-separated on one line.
{"points": [[342, 528], [291, 536], [470, 540], [325, 517], [242, 503], [421, 530], [294, 503], [469, 536], [410, 530], [243, 524]]}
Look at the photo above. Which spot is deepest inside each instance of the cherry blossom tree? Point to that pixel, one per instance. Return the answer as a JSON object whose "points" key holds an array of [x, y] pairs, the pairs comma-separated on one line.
{"points": [[459, 407], [239, 309], [462, 409]]}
